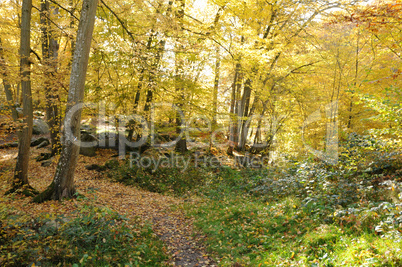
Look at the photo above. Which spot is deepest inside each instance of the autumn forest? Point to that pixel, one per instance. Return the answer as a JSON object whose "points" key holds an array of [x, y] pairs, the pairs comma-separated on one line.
{"points": [[200, 133]]}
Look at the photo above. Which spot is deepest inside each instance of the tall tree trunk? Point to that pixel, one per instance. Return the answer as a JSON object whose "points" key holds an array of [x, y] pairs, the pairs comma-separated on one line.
{"points": [[244, 114], [152, 74], [234, 134], [6, 84], [63, 182], [181, 145], [72, 22], [21, 169], [215, 96], [350, 118], [160, 50], [216, 88], [49, 56]]}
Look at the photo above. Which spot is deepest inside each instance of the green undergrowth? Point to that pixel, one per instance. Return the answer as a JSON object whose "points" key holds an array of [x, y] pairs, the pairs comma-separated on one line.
{"points": [[174, 181], [252, 232], [91, 236], [304, 213]]}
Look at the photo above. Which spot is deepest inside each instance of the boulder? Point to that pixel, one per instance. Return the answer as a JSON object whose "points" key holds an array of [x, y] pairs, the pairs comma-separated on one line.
{"points": [[88, 151], [40, 127], [43, 144], [12, 144], [95, 167], [46, 163], [37, 142]]}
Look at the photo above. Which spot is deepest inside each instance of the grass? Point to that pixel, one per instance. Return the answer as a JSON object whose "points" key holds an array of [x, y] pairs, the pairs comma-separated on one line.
{"points": [[303, 214], [281, 233], [301, 228]]}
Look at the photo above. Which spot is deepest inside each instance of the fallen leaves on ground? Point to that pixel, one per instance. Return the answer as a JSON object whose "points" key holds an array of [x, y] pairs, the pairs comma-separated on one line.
{"points": [[164, 212]]}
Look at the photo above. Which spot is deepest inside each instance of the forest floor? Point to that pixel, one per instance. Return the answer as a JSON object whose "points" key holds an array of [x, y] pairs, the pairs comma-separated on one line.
{"points": [[305, 213], [168, 220]]}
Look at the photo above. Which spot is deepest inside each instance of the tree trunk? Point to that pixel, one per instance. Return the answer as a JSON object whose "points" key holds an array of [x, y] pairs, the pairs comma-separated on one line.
{"points": [[181, 145], [63, 182], [234, 135], [6, 84], [20, 181], [216, 87], [244, 113], [50, 49]]}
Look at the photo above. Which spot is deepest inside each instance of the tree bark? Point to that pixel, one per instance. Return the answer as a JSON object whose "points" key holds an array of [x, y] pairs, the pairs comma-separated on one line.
{"points": [[20, 181], [181, 145], [6, 84], [216, 87], [244, 113], [50, 49], [234, 131], [63, 182]]}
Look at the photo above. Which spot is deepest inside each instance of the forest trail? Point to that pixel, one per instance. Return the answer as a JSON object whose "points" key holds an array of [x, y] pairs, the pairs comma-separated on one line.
{"points": [[163, 212]]}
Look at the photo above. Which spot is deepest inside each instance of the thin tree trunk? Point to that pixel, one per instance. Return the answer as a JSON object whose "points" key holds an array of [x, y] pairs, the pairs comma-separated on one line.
{"points": [[154, 68], [72, 22], [63, 182], [49, 56], [244, 113], [234, 135], [6, 84], [181, 145], [349, 125], [151, 80], [21, 169], [216, 88], [152, 75]]}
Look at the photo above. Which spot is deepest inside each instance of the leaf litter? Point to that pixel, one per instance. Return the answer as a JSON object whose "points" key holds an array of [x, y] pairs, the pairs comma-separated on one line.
{"points": [[183, 246]]}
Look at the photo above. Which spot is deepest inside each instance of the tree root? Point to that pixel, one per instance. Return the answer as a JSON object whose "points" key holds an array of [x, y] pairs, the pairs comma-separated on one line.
{"points": [[45, 195], [25, 190]]}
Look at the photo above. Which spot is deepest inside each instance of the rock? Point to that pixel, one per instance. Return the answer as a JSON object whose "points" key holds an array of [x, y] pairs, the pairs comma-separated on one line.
{"points": [[43, 156], [43, 144], [88, 151], [12, 144], [40, 127], [46, 163], [95, 167], [36, 142]]}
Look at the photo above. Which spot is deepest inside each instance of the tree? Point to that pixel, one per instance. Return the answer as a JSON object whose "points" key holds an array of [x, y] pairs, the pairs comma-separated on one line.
{"points": [[20, 180], [181, 145], [63, 182], [6, 84], [49, 57]]}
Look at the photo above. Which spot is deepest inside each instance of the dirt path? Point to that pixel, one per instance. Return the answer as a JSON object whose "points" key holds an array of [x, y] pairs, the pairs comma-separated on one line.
{"points": [[176, 231], [164, 212]]}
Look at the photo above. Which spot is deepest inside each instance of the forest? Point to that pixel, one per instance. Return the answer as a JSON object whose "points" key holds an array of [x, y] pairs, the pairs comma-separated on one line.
{"points": [[201, 133]]}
